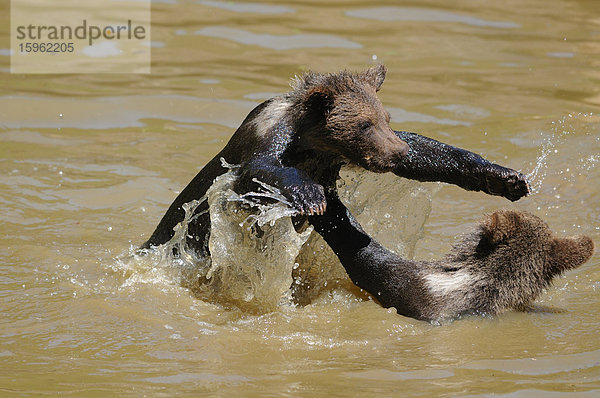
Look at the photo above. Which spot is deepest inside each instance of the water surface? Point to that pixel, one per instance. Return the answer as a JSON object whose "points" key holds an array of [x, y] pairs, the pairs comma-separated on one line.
{"points": [[89, 164]]}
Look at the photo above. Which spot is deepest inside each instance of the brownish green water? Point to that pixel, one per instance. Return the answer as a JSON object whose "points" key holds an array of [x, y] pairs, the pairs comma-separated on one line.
{"points": [[90, 163]]}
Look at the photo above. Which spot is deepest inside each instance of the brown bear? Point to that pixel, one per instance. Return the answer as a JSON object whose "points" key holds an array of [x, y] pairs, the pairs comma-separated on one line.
{"points": [[298, 141], [504, 264]]}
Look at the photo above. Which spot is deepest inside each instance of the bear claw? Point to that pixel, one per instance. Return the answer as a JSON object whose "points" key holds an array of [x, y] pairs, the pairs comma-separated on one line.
{"points": [[307, 199]]}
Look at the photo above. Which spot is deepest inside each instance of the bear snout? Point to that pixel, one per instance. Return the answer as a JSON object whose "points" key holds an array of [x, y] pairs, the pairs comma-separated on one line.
{"points": [[395, 148], [571, 252], [586, 245], [389, 143], [387, 151], [400, 147]]}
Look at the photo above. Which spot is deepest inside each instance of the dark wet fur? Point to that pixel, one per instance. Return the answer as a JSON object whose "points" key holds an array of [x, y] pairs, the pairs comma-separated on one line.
{"points": [[329, 120]]}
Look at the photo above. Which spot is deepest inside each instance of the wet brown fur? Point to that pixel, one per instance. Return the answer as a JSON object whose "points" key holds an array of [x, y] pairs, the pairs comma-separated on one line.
{"points": [[513, 257], [355, 120], [505, 263]]}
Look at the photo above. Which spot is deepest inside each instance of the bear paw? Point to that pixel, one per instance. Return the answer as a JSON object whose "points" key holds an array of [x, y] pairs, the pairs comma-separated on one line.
{"points": [[502, 181], [308, 198]]}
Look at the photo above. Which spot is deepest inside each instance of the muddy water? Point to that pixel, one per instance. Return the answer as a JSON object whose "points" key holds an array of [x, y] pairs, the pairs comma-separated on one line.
{"points": [[89, 163]]}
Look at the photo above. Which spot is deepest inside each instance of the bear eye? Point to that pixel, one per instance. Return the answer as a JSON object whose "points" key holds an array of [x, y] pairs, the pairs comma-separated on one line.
{"points": [[364, 126]]}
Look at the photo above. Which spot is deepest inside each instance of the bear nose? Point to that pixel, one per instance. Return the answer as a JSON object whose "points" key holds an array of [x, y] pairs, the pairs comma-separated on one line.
{"points": [[397, 145], [404, 148]]}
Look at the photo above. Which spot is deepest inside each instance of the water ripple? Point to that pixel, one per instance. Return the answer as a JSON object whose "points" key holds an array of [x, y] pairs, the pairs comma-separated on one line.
{"points": [[399, 115], [277, 42], [255, 8], [425, 15]]}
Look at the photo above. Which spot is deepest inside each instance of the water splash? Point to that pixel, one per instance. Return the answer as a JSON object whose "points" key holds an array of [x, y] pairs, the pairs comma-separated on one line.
{"points": [[253, 247], [549, 146], [577, 131], [566, 165], [259, 261], [391, 209], [538, 174]]}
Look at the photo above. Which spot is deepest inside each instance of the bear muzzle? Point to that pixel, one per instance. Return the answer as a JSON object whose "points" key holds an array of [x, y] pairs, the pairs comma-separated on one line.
{"points": [[387, 151], [398, 146]]}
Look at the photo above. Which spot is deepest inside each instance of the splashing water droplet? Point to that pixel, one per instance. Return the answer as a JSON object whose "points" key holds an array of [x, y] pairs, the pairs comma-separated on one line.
{"points": [[553, 144]]}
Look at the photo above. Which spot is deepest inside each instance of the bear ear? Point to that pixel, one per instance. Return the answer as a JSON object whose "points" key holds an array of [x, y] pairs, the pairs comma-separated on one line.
{"points": [[499, 225], [375, 75], [319, 99], [571, 252]]}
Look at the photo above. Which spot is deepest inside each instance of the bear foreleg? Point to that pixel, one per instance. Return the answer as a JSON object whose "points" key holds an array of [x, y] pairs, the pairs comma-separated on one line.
{"points": [[431, 160]]}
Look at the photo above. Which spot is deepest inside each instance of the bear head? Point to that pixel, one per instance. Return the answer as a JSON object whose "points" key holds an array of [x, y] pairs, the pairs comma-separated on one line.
{"points": [[520, 255], [344, 116]]}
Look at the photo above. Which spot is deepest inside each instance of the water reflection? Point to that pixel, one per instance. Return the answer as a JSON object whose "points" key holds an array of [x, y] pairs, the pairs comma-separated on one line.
{"points": [[115, 112], [399, 115], [254, 8], [277, 42], [79, 190], [425, 15]]}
